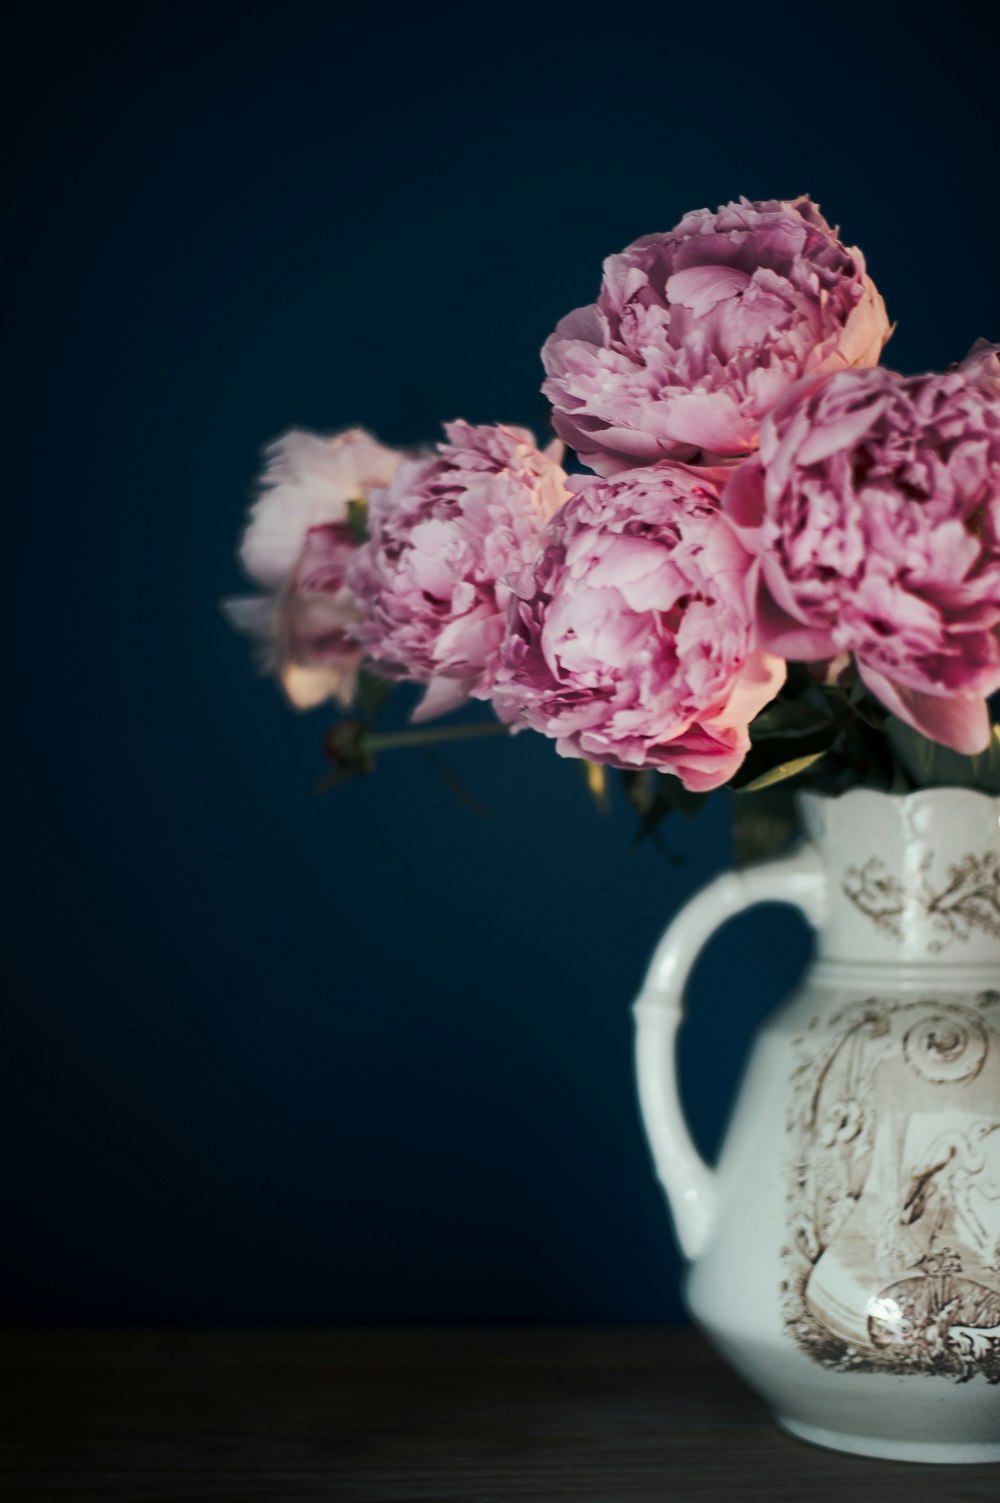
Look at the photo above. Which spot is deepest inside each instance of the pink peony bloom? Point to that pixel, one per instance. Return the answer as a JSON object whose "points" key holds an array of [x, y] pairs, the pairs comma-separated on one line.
{"points": [[297, 545], [447, 537], [982, 365], [631, 641], [698, 332], [874, 508]]}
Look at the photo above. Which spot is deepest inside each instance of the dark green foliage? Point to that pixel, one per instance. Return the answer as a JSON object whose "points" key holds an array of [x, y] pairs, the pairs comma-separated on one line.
{"points": [[655, 796], [825, 737], [933, 766], [357, 520]]}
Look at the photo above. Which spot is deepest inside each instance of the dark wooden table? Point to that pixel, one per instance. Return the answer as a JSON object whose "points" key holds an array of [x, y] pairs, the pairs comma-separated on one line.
{"points": [[453, 1415]]}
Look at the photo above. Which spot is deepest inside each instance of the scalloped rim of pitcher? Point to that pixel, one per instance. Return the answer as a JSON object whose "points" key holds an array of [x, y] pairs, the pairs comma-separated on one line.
{"points": [[814, 806]]}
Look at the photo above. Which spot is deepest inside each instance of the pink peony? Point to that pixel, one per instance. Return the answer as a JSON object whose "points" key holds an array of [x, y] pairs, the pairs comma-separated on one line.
{"points": [[447, 537], [696, 334], [982, 365], [631, 641], [874, 508], [297, 545]]}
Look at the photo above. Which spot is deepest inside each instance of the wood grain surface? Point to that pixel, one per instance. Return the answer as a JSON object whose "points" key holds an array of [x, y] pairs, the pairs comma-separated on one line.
{"points": [[413, 1415]]}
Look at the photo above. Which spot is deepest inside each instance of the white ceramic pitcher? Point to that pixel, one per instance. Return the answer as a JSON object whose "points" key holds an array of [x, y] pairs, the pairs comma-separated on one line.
{"points": [[845, 1252]]}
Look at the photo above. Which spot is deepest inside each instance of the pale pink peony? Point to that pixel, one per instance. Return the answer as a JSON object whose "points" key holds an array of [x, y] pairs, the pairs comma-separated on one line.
{"points": [[631, 642], [297, 546], [446, 538], [698, 332], [982, 365], [874, 508]]}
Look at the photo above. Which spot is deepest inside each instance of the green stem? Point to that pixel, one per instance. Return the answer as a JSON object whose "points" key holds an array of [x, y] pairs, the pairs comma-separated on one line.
{"points": [[393, 740], [433, 736]]}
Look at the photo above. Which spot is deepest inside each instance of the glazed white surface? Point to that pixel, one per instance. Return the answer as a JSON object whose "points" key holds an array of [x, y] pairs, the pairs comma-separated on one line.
{"points": [[898, 1017]]}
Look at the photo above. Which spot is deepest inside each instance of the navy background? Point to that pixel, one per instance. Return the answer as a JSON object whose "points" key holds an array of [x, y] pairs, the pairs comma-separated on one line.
{"points": [[364, 1057]]}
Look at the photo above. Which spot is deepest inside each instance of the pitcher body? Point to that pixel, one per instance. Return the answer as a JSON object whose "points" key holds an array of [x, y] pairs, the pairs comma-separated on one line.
{"points": [[846, 1249]]}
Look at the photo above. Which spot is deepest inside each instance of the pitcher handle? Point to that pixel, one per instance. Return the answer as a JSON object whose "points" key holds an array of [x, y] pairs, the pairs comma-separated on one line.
{"points": [[689, 1182]]}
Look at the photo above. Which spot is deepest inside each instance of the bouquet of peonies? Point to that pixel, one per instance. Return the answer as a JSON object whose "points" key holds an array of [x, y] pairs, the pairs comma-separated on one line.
{"points": [[786, 563]]}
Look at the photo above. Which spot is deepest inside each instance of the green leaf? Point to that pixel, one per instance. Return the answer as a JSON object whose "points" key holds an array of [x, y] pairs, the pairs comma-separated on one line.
{"points": [[456, 786], [933, 766], [669, 796], [770, 753], [781, 772], [357, 519], [785, 719], [595, 775], [640, 789], [869, 710]]}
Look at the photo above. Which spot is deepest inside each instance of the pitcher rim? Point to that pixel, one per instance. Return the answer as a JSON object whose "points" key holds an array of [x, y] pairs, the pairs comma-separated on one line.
{"points": [[808, 796]]}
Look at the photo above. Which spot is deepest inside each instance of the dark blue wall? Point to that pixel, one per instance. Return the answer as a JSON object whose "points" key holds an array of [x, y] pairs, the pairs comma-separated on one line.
{"points": [[269, 1056]]}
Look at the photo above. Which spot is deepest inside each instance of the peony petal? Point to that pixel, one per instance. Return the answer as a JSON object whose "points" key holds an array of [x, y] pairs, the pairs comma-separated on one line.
{"points": [[737, 304], [710, 420], [252, 614], [835, 437], [963, 724], [306, 687], [982, 365], [778, 630], [308, 482], [701, 287], [636, 647], [447, 540], [756, 684], [441, 696]]}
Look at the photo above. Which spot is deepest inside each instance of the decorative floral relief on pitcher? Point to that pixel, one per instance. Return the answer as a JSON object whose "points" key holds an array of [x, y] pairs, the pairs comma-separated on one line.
{"points": [[893, 1261], [964, 899]]}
